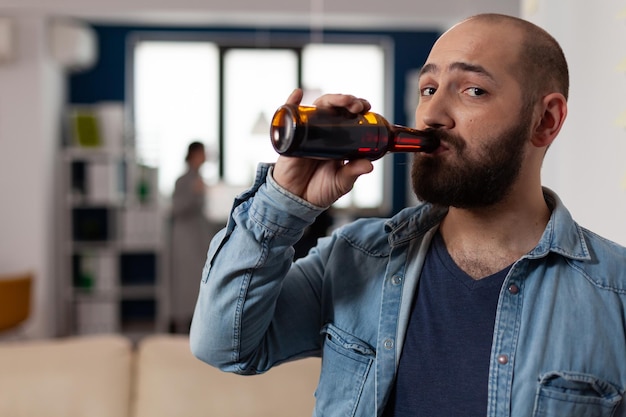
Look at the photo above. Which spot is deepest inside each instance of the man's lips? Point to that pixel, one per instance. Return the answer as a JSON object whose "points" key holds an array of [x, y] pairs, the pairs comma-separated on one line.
{"points": [[443, 147]]}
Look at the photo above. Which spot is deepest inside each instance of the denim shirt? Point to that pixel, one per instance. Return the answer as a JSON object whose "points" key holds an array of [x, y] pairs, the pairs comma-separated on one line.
{"points": [[559, 341]]}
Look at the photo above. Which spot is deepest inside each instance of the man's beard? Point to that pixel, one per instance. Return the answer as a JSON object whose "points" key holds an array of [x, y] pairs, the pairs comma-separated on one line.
{"points": [[471, 182]]}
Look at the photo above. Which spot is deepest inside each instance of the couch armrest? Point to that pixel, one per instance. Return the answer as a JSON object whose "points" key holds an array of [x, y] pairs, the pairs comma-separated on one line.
{"points": [[71, 377], [172, 382]]}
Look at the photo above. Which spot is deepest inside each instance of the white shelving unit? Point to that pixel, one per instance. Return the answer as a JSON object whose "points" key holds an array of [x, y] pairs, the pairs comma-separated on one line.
{"points": [[113, 239]]}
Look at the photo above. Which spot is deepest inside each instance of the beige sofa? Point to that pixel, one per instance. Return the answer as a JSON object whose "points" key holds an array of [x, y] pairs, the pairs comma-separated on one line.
{"points": [[106, 376]]}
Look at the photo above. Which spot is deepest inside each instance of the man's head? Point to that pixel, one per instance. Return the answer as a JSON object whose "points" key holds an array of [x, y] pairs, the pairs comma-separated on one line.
{"points": [[494, 89]]}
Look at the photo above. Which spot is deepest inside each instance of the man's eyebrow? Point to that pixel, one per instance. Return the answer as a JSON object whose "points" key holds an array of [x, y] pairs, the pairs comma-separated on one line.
{"points": [[463, 66], [458, 66], [427, 68]]}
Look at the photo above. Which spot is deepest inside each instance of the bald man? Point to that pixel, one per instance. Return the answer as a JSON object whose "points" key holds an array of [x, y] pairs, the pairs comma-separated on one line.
{"points": [[487, 298]]}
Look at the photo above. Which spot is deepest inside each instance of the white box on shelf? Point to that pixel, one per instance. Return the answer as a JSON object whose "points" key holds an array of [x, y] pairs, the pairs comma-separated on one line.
{"points": [[103, 185], [110, 115], [95, 316], [107, 272], [142, 226]]}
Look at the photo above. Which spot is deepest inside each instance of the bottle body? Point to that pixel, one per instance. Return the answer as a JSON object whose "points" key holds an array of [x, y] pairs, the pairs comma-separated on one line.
{"points": [[330, 133]]}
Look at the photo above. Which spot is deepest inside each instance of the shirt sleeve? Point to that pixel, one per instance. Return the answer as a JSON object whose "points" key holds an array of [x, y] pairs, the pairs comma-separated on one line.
{"points": [[256, 308]]}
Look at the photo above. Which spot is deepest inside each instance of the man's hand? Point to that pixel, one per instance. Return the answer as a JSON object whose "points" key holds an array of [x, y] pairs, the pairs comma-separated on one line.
{"points": [[322, 182]]}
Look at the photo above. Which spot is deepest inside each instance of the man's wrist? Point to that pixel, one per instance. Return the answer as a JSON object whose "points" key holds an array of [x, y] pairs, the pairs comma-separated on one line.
{"points": [[283, 191]]}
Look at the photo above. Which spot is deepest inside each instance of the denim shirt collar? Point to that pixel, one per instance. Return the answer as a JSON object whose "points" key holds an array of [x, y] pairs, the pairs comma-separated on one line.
{"points": [[414, 222], [562, 234]]}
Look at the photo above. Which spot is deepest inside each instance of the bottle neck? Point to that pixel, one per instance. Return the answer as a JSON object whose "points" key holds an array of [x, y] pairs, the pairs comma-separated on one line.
{"points": [[406, 139]]}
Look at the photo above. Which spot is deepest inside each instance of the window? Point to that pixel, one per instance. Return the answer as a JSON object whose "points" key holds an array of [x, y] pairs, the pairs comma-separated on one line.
{"points": [[255, 80], [175, 103], [225, 97]]}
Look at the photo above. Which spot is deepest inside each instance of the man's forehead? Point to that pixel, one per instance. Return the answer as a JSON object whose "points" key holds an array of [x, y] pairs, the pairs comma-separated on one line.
{"points": [[473, 34], [474, 46], [458, 66]]}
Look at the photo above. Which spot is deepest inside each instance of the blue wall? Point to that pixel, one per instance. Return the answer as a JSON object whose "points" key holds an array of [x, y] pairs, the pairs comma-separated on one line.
{"points": [[107, 80]]}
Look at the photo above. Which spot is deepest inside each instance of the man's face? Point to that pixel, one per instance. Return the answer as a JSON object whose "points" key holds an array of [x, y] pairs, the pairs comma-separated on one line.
{"points": [[471, 100]]}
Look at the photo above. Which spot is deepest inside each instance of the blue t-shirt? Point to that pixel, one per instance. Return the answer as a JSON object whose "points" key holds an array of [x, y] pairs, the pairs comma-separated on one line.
{"points": [[444, 366]]}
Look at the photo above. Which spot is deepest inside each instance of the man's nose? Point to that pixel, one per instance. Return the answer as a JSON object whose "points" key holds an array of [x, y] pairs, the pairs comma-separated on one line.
{"points": [[434, 112]]}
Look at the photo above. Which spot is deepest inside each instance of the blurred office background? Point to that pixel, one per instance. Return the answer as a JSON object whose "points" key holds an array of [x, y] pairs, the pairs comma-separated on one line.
{"points": [[98, 101]]}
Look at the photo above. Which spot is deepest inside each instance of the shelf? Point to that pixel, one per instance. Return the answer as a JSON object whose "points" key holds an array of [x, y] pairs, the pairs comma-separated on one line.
{"points": [[123, 292], [111, 236], [138, 292], [96, 153], [88, 295], [82, 201]]}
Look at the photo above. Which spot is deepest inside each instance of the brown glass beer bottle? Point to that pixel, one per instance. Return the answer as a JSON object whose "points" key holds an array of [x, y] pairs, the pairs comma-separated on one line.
{"points": [[334, 133]]}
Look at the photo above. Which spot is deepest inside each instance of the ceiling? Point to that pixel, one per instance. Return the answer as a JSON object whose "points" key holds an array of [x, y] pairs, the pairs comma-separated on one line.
{"points": [[398, 14]]}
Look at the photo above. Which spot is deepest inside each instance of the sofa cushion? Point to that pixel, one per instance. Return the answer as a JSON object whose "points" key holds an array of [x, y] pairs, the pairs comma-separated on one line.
{"points": [[172, 382], [69, 377]]}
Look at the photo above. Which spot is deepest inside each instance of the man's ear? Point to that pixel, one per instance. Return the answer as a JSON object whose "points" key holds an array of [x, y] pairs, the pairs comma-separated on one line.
{"points": [[553, 113]]}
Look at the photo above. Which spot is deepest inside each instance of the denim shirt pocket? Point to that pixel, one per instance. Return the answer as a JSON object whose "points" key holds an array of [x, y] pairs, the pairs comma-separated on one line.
{"points": [[346, 366], [575, 394]]}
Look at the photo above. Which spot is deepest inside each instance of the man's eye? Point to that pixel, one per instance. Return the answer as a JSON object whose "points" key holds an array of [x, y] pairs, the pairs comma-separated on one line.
{"points": [[475, 91], [427, 91]]}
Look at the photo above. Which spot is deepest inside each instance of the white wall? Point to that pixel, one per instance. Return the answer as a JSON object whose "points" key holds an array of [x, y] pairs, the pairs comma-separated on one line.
{"points": [[31, 90], [587, 164]]}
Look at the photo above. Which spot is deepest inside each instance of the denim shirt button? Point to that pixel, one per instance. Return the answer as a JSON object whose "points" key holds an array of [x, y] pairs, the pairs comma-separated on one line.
{"points": [[396, 280], [503, 359], [388, 344], [513, 289]]}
